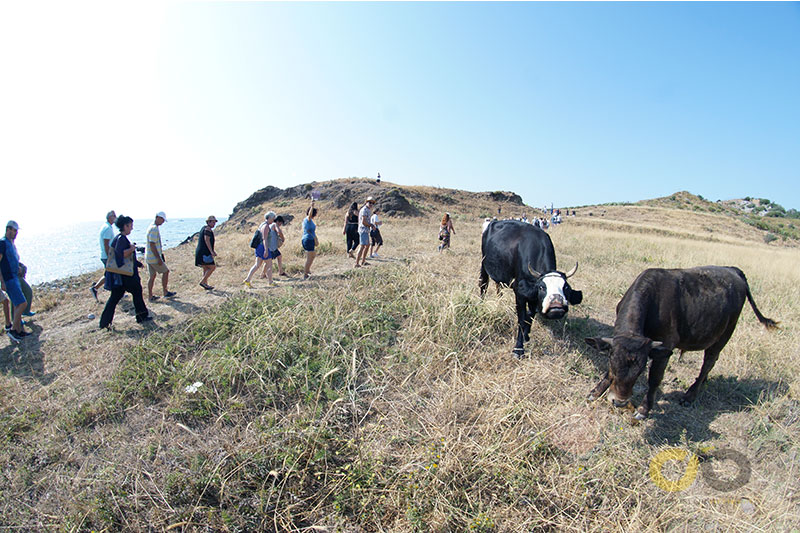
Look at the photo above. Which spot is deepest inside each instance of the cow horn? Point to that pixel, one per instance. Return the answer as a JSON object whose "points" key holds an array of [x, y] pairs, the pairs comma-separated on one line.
{"points": [[533, 272], [572, 272]]}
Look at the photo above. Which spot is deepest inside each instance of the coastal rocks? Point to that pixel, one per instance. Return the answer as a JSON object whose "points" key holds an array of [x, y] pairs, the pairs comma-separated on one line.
{"points": [[394, 204], [257, 198], [504, 196]]}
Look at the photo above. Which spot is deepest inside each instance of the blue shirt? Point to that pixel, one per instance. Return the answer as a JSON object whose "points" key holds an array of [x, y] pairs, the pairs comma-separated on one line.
{"points": [[9, 265], [106, 232], [309, 229]]}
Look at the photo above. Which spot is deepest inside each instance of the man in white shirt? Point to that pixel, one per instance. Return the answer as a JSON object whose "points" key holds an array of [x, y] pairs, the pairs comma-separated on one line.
{"points": [[106, 236], [154, 257]]}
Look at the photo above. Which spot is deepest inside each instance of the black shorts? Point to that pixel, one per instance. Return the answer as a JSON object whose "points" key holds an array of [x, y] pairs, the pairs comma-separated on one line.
{"points": [[375, 235]]}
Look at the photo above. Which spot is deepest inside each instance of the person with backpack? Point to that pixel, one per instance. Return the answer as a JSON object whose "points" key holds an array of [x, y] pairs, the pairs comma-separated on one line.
{"points": [[258, 244]]}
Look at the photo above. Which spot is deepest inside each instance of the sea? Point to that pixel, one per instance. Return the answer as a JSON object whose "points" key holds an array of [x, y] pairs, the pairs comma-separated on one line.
{"points": [[72, 249]]}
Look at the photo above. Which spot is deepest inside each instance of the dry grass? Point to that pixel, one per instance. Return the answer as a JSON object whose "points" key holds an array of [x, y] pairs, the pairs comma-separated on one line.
{"points": [[386, 399]]}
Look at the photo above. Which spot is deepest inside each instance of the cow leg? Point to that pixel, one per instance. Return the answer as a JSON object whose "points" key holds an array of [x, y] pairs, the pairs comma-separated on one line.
{"points": [[657, 367], [709, 360], [483, 282], [599, 389], [522, 319]]}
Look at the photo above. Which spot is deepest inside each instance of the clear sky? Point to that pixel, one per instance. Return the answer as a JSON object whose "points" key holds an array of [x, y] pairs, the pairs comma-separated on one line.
{"points": [[190, 107]]}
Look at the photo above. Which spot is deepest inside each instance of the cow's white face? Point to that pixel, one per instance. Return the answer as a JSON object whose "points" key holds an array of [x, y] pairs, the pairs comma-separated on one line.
{"points": [[554, 297]]}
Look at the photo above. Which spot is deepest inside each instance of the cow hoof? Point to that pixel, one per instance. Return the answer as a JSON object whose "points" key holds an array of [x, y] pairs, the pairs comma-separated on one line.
{"points": [[688, 399]]}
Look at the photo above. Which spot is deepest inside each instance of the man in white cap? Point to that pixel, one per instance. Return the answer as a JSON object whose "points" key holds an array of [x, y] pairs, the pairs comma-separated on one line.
{"points": [[9, 270], [154, 256]]}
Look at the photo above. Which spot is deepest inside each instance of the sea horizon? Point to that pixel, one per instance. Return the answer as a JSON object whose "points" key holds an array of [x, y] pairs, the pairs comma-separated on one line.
{"points": [[74, 248]]}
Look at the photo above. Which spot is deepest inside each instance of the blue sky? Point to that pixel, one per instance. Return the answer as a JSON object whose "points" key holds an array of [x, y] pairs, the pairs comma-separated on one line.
{"points": [[190, 107]]}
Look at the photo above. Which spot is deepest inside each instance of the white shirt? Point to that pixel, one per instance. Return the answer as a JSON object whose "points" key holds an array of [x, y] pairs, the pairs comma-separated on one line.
{"points": [[375, 221]]}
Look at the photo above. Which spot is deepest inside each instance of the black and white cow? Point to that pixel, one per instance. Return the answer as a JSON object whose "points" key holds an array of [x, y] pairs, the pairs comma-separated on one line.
{"points": [[522, 256], [664, 309]]}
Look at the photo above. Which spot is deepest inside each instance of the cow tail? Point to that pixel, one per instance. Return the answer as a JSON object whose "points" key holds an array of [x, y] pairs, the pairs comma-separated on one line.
{"points": [[768, 322]]}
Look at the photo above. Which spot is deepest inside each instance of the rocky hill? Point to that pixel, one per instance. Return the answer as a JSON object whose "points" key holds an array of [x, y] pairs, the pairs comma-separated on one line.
{"points": [[394, 200]]}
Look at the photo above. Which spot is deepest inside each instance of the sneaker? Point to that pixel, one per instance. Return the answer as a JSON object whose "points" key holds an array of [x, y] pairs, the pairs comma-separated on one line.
{"points": [[153, 298], [21, 333], [169, 294], [375, 254], [94, 293], [247, 284], [31, 313], [284, 274], [207, 287], [8, 328], [148, 318], [13, 335]]}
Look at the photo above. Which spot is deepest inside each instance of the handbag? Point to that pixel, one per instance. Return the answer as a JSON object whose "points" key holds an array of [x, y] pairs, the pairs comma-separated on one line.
{"points": [[126, 269], [258, 238]]}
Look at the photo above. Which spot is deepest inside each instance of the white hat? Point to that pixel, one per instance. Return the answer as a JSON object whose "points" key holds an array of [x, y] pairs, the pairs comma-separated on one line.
{"points": [[12, 224], [162, 215]]}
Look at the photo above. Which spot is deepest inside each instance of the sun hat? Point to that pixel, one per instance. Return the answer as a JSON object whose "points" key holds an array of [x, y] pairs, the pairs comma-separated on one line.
{"points": [[162, 215], [370, 199], [13, 225], [210, 218]]}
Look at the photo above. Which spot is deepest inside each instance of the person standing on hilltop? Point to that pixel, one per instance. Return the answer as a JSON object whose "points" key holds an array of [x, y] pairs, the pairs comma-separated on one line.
{"points": [[351, 229], [309, 240], [204, 254], [106, 236], [445, 230], [364, 225], [122, 251], [154, 257], [9, 280]]}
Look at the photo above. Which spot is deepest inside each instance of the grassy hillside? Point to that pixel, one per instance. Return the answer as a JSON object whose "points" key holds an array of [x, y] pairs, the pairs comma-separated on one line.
{"points": [[387, 399], [771, 219]]}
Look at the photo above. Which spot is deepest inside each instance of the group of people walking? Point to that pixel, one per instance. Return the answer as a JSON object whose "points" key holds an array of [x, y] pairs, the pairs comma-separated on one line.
{"points": [[121, 264], [118, 256]]}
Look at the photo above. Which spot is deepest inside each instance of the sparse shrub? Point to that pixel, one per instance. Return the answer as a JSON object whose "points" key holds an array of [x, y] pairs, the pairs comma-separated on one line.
{"points": [[769, 237]]}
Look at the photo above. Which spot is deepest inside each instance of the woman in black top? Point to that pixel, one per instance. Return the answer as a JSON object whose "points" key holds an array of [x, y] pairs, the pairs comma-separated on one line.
{"points": [[351, 229], [119, 284], [205, 254]]}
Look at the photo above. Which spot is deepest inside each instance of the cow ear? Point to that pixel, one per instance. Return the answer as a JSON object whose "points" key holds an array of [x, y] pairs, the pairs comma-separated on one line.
{"points": [[575, 297], [601, 343], [658, 350]]}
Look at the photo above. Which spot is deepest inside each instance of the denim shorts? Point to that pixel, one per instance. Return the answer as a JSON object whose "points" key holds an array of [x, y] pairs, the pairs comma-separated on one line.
{"points": [[261, 251], [14, 291], [308, 245], [363, 237]]}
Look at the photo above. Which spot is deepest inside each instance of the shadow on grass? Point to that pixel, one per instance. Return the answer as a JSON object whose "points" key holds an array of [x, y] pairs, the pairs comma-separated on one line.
{"points": [[574, 329], [25, 359], [719, 395]]}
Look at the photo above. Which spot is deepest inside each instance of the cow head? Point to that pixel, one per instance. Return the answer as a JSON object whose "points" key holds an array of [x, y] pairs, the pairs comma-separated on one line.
{"points": [[628, 359], [551, 293]]}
